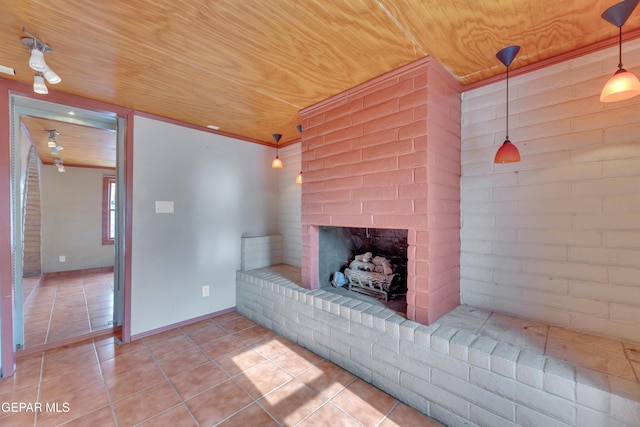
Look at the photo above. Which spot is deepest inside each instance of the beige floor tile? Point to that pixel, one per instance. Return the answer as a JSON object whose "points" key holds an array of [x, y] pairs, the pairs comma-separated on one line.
{"points": [[240, 361], [195, 381], [272, 346], [262, 379], [297, 360], [254, 334], [254, 415], [204, 331], [133, 381], [178, 343], [218, 403], [178, 417], [292, 402], [402, 416], [103, 417], [329, 415], [80, 402], [175, 363], [326, 378], [364, 402], [234, 324], [222, 346], [145, 404]]}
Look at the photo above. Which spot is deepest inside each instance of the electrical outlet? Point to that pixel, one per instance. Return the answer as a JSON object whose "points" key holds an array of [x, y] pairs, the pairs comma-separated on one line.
{"points": [[205, 291], [62, 258]]}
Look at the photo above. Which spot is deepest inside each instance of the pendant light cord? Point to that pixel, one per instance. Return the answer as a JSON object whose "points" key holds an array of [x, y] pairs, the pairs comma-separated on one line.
{"points": [[507, 138], [620, 50]]}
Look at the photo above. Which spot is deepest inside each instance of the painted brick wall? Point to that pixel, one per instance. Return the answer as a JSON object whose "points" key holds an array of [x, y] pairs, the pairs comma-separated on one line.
{"points": [[289, 205], [555, 237], [386, 155]]}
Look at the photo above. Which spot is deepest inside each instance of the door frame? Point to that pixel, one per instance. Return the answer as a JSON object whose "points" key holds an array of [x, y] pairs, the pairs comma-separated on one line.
{"points": [[8, 249]]}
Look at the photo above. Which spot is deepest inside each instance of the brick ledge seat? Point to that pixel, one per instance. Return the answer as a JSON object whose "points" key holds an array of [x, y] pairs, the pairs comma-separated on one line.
{"points": [[451, 375]]}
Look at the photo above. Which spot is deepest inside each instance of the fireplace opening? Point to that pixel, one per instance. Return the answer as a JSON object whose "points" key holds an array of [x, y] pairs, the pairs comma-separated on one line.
{"points": [[365, 261]]}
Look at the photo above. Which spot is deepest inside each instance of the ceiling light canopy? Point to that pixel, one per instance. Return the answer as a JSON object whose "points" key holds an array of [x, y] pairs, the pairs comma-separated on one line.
{"points": [[277, 163], [507, 153], [623, 84]]}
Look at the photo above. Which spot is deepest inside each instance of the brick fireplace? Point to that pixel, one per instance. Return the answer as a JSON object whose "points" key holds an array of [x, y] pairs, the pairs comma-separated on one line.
{"points": [[386, 154]]}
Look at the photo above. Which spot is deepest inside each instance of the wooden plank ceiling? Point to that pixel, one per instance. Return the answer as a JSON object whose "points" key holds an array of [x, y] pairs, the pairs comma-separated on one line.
{"points": [[249, 66]]}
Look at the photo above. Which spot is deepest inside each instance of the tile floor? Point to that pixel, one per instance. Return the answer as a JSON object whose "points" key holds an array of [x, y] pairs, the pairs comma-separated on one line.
{"points": [[223, 371], [66, 305]]}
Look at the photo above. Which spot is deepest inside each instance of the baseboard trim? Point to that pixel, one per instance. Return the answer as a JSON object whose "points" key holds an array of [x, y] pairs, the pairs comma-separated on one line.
{"points": [[183, 323]]}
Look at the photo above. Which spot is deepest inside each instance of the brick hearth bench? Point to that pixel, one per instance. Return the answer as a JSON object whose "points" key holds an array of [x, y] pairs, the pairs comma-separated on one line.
{"points": [[454, 376]]}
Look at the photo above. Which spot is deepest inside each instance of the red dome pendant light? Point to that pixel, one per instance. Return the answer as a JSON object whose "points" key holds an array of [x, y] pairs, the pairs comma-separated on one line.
{"points": [[507, 153]]}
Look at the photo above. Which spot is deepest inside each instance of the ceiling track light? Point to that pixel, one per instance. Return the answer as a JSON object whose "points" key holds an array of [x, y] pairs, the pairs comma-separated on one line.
{"points": [[623, 84], [38, 64], [277, 163], [507, 153], [58, 163]]}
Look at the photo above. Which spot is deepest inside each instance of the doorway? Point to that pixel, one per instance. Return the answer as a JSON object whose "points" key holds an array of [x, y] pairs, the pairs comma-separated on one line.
{"points": [[78, 290]]}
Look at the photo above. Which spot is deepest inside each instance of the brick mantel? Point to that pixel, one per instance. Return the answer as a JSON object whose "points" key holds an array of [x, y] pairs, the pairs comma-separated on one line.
{"points": [[386, 154]]}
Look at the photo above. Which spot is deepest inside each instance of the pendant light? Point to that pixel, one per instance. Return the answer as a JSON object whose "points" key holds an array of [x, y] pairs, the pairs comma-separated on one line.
{"points": [[276, 163], [299, 177], [623, 84], [507, 153]]}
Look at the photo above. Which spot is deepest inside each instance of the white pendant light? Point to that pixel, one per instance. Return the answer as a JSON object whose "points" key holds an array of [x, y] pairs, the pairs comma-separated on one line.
{"points": [[623, 84], [38, 84]]}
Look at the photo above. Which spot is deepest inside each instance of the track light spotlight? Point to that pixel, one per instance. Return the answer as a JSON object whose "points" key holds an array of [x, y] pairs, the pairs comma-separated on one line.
{"points": [[38, 84], [51, 76], [36, 60]]}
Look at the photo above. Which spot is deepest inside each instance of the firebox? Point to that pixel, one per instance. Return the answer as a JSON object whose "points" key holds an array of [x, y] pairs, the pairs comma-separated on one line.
{"points": [[339, 247]]}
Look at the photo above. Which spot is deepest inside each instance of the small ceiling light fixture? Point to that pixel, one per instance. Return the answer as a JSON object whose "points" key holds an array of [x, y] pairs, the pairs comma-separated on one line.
{"points": [[623, 84], [507, 153], [58, 163], [299, 177], [276, 163], [52, 138], [53, 143], [38, 64]]}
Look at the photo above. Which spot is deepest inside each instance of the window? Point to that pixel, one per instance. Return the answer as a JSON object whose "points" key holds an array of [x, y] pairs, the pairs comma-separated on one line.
{"points": [[108, 209]]}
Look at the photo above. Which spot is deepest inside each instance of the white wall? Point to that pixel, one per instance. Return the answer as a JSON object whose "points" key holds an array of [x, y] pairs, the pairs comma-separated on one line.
{"points": [[222, 189], [555, 237], [72, 219], [289, 199]]}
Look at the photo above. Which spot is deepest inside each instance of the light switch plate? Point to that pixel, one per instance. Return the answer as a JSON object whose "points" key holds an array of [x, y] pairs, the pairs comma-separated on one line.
{"points": [[164, 206]]}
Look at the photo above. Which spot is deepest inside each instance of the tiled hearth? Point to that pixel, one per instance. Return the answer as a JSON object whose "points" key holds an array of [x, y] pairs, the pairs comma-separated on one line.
{"points": [[471, 367]]}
